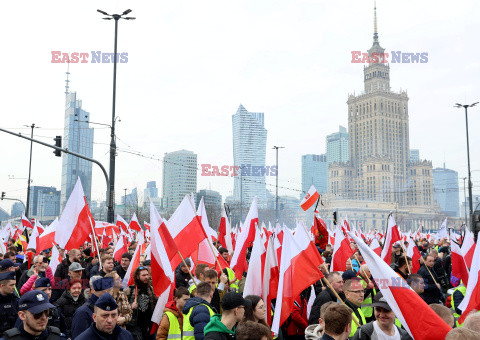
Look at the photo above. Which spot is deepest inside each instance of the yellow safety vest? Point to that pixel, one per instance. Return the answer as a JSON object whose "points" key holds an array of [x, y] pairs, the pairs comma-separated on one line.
{"points": [[367, 311], [174, 331], [463, 290], [188, 330], [231, 277], [354, 325]]}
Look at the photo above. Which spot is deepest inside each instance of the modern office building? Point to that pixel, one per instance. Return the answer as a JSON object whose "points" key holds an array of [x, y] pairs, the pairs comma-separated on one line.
{"points": [[314, 172], [77, 137], [446, 191], [249, 152], [151, 191], [44, 201], [179, 177], [337, 146], [17, 209], [414, 155]]}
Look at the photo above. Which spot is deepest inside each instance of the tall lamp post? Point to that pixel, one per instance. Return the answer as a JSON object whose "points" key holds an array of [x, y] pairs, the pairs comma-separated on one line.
{"points": [[457, 105], [276, 185], [113, 147], [29, 170]]}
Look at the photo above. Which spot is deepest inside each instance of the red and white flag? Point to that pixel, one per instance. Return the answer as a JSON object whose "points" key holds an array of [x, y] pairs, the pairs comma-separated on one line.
{"points": [[76, 223], [271, 273], [298, 270], [459, 266], [55, 260], [244, 240], [120, 248], [471, 301], [33, 241], [134, 225], [122, 224], [391, 237], [128, 279], [47, 238], [253, 281], [341, 251], [310, 199], [26, 223], [375, 246], [418, 319], [225, 232], [186, 228], [468, 247], [414, 254]]}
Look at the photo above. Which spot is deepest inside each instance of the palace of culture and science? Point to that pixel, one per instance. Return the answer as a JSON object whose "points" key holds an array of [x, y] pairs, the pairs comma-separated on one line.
{"points": [[379, 177]]}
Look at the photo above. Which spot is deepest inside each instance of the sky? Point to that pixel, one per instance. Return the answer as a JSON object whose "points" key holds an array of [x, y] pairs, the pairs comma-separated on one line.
{"points": [[191, 64]]}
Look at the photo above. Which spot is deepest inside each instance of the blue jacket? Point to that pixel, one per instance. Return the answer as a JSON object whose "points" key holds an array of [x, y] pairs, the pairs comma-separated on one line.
{"points": [[82, 319], [44, 336], [92, 333], [200, 315]]}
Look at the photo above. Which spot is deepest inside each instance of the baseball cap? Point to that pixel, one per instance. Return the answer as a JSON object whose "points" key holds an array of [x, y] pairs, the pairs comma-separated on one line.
{"points": [[75, 267], [106, 302], [35, 301], [379, 301], [233, 300], [7, 263]]}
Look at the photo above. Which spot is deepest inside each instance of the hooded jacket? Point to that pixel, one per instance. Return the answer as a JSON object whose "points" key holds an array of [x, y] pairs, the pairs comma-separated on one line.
{"points": [[164, 327], [200, 316], [216, 330]]}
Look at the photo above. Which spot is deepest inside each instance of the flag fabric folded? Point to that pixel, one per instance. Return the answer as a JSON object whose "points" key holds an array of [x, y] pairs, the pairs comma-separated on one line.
{"points": [[26, 223], [459, 266], [253, 281], [47, 238], [134, 225], [471, 301], [375, 246], [391, 237], [414, 254], [310, 199], [122, 224], [120, 248], [468, 247], [341, 252], [271, 274], [418, 319]]}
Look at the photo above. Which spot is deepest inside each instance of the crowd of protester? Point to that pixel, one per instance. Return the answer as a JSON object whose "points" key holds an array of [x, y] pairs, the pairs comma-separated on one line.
{"points": [[85, 299]]}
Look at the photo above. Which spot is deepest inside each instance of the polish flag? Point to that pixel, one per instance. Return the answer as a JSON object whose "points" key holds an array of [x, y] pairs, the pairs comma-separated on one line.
{"points": [[310, 199], [129, 280], [375, 246], [391, 237], [26, 223], [186, 228], [33, 241], [471, 301], [76, 223], [414, 254], [134, 225], [341, 252], [253, 281], [299, 269], [271, 274], [418, 319], [47, 238], [225, 232], [146, 225], [459, 267], [120, 248], [244, 239], [468, 247], [167, 239], [55, 259], [122, 224], [163, 276]]}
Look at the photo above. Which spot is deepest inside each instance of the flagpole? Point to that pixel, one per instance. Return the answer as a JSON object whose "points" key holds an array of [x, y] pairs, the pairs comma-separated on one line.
{"points": [[360, 268], [211, 248], [406, 259], [338, 297], [185, 264], [96, 243]]}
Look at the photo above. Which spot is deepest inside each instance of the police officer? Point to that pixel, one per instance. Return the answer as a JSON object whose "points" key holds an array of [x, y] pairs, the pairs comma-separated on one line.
{"points": [[34, 309], [8, 301], [82, 318], [55, 318], [105, 326]]}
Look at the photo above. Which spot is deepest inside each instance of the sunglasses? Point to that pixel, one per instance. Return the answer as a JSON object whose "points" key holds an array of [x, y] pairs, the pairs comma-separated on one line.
{"points": [[39, 315]]}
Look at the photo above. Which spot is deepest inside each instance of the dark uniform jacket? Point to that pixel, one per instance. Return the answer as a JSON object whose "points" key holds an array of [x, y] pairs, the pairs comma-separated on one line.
{"points": [[8, 311], [93, 333], [82, 319], [50, 333]]}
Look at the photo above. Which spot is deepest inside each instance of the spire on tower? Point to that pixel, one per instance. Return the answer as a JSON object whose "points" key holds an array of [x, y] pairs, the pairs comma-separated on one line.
{"points": [[375, 32], [67, 87]]}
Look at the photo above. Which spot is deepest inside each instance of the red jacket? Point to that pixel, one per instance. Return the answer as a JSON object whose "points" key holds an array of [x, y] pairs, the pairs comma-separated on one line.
{"points": [[298, 321]]}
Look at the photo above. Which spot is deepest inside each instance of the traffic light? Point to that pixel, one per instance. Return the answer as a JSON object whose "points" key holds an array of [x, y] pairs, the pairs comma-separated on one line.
{"points": [[476, 222], [3, 195], [58, 143]]}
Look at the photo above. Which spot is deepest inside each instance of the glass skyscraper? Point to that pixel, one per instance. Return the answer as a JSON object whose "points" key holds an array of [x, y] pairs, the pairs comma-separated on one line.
{"points": [[77, 137], [445, 190], [337, 146], [314, 172], [249, 151], [179, 177]]}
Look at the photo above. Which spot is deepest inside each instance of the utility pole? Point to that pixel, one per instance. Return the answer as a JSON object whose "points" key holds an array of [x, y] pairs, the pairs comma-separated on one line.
{"points": [[113, 146], [465, 201], [29, 171], [125, 202], [276, 185]]}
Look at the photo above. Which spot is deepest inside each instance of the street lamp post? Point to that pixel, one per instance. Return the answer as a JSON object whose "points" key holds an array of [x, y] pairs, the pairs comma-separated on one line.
{"points": [[276, 185], [465, 200], [29, 171], [113, 147], [468, 155]]}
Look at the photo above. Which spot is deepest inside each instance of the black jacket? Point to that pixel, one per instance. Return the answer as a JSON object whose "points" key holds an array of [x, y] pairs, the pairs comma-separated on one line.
{"points": [[325, 296], [19, 334], [181, 278], [68, 306], [431, 293], [8, 311], [61, 273], [219, 336], [92, 333], [120, 271]]}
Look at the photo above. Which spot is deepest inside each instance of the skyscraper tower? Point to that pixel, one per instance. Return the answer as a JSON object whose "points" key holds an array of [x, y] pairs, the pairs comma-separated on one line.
{"points": [[378, 131], [249, 150], [77, 137]]}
